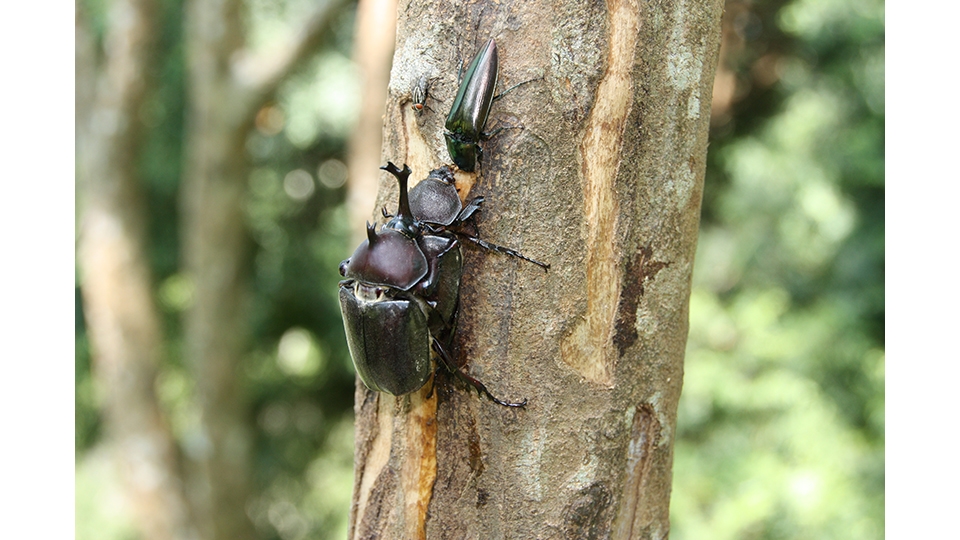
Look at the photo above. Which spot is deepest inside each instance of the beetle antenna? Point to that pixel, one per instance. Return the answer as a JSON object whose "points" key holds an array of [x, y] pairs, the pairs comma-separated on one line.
{"points": [[479, 386]]}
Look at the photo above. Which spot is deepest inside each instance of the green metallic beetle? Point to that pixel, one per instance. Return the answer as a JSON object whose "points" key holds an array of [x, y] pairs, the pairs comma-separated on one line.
{"points": [[464, 125]]}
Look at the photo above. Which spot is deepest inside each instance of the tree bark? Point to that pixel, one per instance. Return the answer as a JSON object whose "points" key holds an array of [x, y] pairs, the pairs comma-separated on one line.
{"points": [[117, 286], [602, 178]]}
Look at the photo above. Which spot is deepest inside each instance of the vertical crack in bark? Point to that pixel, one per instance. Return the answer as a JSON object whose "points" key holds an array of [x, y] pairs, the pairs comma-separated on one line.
{"points": [[644, 437], [588, 349]]}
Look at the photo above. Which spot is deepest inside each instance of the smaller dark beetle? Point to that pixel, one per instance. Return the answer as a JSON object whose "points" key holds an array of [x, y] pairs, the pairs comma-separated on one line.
{"points": [[401, 294], [468, 115]]}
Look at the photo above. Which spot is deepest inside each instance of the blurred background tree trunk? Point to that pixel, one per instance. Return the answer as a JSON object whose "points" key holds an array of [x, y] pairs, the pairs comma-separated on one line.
{"points": [[117, 281], [227, 85], [603, 180], [373, 41], [215, 255]]}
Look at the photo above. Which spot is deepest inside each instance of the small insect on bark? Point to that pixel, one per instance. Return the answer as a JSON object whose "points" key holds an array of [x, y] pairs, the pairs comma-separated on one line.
{"points": [[419, 93], [401, 294]]}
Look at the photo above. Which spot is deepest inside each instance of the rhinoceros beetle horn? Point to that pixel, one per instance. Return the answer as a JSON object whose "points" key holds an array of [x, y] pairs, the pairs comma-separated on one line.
{"points": [[404, 220]]}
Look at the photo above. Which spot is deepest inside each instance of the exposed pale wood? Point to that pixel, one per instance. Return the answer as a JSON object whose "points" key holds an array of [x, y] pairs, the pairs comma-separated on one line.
{"points": [[604, 182]]}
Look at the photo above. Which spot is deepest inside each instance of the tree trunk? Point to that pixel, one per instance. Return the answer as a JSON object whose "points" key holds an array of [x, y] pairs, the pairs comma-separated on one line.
{"points": [[117, 285], [602, 178], [215, 254]]}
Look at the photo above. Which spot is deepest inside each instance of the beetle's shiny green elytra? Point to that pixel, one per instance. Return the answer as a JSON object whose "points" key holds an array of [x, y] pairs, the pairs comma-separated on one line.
{"points": [[468, 115]]}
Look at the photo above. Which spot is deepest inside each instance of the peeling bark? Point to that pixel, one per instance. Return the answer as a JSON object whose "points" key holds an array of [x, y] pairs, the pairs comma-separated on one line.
{"points": [[603, 180], [588, 348]]}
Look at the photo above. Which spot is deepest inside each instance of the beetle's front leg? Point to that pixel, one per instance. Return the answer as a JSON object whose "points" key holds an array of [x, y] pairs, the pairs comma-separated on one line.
{"points": [[472, 207]]}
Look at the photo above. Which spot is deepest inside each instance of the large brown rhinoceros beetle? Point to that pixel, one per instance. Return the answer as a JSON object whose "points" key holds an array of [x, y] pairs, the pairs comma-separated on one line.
{"points": [[401, 294]]}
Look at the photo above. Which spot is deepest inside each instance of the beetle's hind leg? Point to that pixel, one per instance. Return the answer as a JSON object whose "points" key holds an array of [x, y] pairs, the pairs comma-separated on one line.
{"points": [[479, 386]]}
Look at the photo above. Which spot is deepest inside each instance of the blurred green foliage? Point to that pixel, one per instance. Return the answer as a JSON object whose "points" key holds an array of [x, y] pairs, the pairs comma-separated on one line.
{"points": [[298, 376], [781, 425], [780, 432]]}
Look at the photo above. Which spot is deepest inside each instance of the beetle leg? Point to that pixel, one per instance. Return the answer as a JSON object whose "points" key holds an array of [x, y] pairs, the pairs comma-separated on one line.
{"points": [[479, 386], [434, 230], [459, 71], [501, 94], [501, 249], [472, 207], [486, 136], [444, 336]]}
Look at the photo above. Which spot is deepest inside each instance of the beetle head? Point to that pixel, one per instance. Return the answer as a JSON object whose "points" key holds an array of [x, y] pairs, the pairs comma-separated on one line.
{"points": [[435, 199], [464, 152], [387, 258]]}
